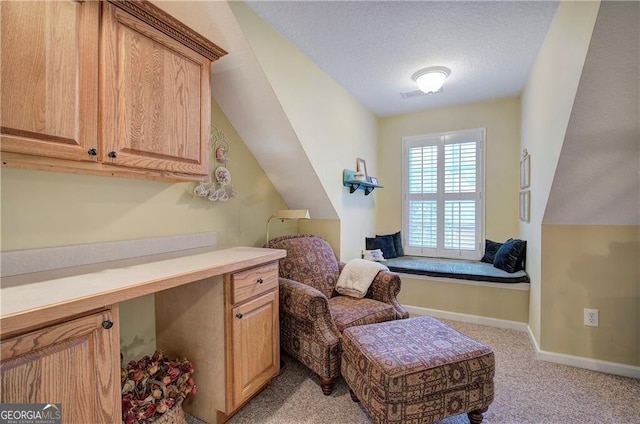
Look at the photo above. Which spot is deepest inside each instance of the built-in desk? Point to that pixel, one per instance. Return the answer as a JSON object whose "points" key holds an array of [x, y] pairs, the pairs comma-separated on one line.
{"points": [[62, 325]]}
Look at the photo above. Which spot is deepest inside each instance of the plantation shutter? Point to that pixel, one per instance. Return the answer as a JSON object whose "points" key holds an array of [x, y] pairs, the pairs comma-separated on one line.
{"points": [[442, 207]]}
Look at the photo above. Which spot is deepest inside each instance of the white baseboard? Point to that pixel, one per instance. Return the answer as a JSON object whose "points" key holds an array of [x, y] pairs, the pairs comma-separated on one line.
{"points": [[473, 319], [542, 355], [582, 362]]}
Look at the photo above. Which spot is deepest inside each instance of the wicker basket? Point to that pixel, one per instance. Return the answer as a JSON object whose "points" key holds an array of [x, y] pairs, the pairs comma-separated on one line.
{"points": [[175, 415]]}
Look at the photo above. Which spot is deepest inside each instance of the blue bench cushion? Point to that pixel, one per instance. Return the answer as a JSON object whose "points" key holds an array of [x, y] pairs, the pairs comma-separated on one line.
{"points": [[454, 268]]}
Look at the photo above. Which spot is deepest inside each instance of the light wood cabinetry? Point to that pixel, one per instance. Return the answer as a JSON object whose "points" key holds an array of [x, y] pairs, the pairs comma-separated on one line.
{"points": [[253, 331], [229, 328], [55, 349], [155, 105], [110, 88], [75, 363], [50, 78]]}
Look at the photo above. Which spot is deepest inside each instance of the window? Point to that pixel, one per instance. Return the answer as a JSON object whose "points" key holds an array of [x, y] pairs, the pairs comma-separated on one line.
{"points": [[442, 184]]}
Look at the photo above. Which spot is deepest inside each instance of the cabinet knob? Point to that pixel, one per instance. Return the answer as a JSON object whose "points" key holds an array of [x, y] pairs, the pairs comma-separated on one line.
{"points": [[107, 324], [92, 152], [112, 155], [260, 281], [239, 315]]}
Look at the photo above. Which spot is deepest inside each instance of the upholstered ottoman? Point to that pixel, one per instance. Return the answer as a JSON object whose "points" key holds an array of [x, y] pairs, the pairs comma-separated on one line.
{"points": [[417, 371]]}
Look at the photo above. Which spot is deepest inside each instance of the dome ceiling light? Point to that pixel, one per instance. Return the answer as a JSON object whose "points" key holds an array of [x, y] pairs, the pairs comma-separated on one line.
{"points": [[430, 80]]}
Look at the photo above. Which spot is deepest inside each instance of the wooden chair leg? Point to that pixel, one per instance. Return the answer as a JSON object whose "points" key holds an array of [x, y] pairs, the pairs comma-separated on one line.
{"points": [[327, 385], [475, 417]]}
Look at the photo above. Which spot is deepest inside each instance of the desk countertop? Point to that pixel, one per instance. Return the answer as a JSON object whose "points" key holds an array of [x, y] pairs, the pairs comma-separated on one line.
{"points": [[36, 298]]}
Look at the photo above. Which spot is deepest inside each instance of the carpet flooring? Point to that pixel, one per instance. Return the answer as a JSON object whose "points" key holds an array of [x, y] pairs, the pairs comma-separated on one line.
{"points": [[526, 391]]}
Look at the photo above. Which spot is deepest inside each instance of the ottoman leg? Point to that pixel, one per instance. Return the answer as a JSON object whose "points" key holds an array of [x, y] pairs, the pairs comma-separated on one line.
{"points": [[475, 417], [327, 385], [353, 396]]}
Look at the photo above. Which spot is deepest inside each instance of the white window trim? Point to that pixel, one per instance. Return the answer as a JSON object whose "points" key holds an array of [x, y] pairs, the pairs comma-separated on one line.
{"points": [[409, 141]]}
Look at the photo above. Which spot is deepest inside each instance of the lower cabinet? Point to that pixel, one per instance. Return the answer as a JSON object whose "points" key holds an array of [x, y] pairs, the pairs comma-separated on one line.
{"points": [[254, 356], [228, 327], [74, 363]]}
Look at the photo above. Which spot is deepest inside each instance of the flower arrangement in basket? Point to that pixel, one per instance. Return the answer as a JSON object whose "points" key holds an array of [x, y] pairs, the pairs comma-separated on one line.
{"points": [[153, 389]]}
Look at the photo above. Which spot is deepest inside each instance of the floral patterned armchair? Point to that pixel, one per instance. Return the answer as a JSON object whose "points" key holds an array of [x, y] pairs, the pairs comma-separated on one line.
{"points": [[313, 315]]}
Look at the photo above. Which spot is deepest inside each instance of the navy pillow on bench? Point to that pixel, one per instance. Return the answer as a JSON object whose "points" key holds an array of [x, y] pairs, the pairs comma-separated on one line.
{"points": [[490, 250], [384, 243], [397, 242], [509, 256]]}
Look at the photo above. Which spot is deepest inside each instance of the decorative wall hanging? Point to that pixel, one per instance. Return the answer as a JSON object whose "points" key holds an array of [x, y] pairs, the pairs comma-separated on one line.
{"points": [[219, 189], [525, 205], [525, 169]]}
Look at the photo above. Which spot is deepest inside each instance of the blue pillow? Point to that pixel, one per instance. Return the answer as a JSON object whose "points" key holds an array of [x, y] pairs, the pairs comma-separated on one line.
{"points": [[397, 242], [384, 243], [510, 255], [490, 250]]}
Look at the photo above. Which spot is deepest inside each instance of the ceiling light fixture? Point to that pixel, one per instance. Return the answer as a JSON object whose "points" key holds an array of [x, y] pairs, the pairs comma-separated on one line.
{"points": [[430, 79]]}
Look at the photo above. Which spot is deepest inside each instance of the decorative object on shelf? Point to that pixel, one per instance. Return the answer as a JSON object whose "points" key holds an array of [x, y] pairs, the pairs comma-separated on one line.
{"points": [[288, 214], [525, 169], [220, 188], [361, 168], [350, 179], [154, 388], [525, 199]]}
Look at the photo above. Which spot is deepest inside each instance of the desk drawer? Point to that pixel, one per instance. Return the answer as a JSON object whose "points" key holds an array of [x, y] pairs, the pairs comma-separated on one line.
{"points": [[252, 282]]}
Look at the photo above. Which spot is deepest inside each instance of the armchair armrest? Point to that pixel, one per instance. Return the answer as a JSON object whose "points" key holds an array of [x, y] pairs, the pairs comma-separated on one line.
{"points": [[385, 288], [304, 302]]}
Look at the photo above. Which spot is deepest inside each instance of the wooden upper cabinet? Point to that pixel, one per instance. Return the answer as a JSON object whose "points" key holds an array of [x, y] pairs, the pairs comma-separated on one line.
{"points": [[50, 78], [116, 87], [155, 101]]}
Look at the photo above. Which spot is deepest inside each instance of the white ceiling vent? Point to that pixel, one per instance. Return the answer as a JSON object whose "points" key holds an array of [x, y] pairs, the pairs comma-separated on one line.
{"points": [[414, 93]]}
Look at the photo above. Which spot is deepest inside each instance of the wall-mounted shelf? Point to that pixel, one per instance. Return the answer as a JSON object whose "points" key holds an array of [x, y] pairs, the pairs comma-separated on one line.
{"points": [[349, 180]]}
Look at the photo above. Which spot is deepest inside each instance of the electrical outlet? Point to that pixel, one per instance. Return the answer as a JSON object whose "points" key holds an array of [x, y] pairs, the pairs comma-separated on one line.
{"points": [[591, 317]]}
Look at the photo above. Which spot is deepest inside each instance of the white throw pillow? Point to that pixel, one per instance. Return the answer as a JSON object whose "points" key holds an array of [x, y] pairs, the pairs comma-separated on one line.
{"points": [[373, 255]]}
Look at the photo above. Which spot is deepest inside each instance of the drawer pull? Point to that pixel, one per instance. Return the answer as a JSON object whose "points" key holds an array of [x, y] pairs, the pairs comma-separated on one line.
{"points": [[260, 281], [239, 315], [107, 324]]}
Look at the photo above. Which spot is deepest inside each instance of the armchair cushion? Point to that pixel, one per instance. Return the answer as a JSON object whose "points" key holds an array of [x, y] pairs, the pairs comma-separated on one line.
{"points": [[310, 260], [349, 311]]}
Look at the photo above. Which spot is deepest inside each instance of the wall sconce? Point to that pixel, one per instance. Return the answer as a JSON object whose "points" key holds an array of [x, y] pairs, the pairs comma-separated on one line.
{"points": [[288, 214], [430, 80]]}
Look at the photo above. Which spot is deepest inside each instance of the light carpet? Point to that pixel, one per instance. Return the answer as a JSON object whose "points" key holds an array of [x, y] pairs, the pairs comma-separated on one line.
{"points": [[526, 391]]}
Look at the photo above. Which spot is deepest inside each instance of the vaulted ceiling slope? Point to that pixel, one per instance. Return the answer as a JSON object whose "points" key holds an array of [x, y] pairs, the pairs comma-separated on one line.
{"points": [[597, 180], [242, 90], [372, 48]]}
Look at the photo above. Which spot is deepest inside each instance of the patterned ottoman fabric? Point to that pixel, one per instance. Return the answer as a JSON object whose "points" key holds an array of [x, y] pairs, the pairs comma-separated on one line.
{"points": [[416, 371]]}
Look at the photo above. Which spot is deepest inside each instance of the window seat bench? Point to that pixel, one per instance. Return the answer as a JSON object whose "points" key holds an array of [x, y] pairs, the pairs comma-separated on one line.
{"points": [[454, 268]]}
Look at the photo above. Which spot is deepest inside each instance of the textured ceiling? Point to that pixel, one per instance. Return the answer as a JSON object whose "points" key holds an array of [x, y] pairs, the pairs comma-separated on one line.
{"points": [[372, 48]]}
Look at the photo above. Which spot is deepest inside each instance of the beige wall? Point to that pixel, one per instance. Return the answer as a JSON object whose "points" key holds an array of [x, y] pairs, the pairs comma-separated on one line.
{"points": [[491, 302], [43, 209], [547, 101], [331, 125], [501, 118], [596, 267]]}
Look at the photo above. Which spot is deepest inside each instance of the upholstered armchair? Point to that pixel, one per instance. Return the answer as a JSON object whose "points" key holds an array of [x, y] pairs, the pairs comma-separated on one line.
{"points": [[313, 315]]}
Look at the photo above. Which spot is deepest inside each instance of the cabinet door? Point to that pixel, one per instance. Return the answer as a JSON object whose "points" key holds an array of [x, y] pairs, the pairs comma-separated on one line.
{"points": [[256, 345], [74, 363], [155, 98], [49, 78]]}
